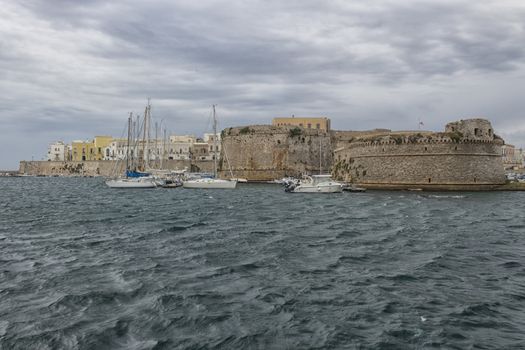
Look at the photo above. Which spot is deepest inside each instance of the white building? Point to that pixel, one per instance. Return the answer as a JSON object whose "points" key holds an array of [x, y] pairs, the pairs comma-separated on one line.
{"points": [[180, 146], [512, 157], [57, 152], [116, 150], [183, 138], [214, 145]]}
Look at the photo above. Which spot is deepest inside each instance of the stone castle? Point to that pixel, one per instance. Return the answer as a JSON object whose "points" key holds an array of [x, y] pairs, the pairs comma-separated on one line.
{"points": [[466, 156]]}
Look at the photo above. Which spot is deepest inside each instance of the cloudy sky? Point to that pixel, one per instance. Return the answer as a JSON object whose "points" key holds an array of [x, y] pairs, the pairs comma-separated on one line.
{"points": [[74, 69]]}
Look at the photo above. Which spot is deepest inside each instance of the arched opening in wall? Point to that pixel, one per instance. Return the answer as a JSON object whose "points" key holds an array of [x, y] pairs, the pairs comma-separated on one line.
{"points": [[364, 172], [429, 180], [477, 132], [475, 179], [490, 132], [278, 142], [456, 148], [426, 149]]}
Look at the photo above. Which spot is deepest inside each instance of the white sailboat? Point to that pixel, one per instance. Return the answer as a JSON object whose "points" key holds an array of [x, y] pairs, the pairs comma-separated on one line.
{"points": [[132, 178], [212, 183]]}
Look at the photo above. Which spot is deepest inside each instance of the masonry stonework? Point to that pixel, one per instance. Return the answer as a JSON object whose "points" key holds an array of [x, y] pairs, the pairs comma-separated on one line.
{"points": [[106, 168], [466, 156], [264, 152]]}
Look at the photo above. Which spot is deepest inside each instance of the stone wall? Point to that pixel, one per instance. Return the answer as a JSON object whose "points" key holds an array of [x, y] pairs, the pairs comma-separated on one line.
{"points": [[454, 160], [104, 168], [264, 152]]}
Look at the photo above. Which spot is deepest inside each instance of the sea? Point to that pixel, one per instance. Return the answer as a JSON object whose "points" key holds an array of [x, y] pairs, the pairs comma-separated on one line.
{"points": [[83, 266]]}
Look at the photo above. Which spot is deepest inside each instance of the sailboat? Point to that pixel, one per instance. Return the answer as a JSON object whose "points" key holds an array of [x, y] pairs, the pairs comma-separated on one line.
{"points": [[132, 177], [214, 182]]}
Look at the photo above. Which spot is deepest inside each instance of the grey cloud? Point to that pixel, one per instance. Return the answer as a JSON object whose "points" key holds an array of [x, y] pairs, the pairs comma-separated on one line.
{"points": [[69, 68]]}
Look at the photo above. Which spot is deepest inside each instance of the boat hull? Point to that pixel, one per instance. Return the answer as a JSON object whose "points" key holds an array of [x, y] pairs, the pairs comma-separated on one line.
{"points": [[131, 183], [210, 183], [332, 188]]}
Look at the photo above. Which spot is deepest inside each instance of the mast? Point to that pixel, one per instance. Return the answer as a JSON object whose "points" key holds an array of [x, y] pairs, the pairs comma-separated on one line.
{"points": [[144, 147], [136, 158], [156, 145], [130, 125], [163, 149], [320, 158], [214, 144]]}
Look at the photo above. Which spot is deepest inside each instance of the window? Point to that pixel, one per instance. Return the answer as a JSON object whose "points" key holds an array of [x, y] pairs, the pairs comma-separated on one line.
{"points": [[309, 126], [301, 125], [318, 126]]}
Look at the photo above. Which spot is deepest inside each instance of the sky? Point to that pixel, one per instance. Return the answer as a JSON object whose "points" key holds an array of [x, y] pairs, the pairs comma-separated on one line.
{"points": [[75, 69]]}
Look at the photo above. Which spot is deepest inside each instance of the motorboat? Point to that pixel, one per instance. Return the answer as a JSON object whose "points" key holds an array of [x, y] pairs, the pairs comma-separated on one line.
{"points": [[240, 179], [314, 184], [132, 182], [210, 183]]}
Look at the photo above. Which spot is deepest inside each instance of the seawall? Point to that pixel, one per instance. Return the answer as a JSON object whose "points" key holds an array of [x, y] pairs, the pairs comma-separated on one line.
{"points": [[430, 161], [104, 168]]}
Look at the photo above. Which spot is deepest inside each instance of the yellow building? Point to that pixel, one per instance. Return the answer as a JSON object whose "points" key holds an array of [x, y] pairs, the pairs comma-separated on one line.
{"points": [[321, 123], [90, 150]]}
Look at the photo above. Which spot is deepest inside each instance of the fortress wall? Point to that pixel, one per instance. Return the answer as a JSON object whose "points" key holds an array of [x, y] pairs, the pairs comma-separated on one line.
{"points": [[262, 152], [440, 165], [104, 168]]}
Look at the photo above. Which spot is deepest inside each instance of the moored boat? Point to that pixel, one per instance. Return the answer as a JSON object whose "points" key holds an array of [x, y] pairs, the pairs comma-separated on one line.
{"points": [[132, 178], [140, 182], [315, 184], [212, 183]]}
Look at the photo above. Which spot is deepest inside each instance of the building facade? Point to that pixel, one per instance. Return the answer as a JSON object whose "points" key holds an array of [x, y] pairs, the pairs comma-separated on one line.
{"points": [[95, 149], [321, 123], [57, 151]]}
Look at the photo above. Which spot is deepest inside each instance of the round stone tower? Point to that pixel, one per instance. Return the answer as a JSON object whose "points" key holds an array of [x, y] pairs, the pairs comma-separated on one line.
{"points": [[472, 129], [467, 156]]}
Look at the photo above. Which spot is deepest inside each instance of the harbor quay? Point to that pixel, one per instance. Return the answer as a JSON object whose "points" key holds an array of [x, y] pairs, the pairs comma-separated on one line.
{"points": [[104, 168]]}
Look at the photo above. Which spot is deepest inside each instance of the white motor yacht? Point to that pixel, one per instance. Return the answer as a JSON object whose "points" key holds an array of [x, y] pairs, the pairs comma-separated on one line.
{"points": [[132, 182], [315, 184], [209, 183]]}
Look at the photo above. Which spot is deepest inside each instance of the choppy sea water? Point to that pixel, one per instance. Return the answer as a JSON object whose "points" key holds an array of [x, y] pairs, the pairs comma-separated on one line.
{"points": [[83, 266]]}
